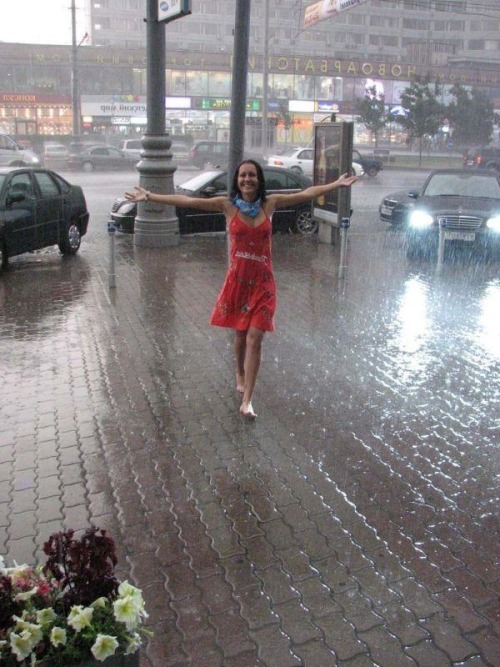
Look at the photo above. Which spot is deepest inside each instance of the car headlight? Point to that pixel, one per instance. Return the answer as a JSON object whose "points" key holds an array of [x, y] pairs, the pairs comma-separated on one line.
{"points": [[35, 160], [494, 223], [421, 220]]}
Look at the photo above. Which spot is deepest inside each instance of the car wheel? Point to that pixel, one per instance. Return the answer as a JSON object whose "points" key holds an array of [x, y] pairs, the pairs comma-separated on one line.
{"points": [[88, 167], [70, 244], [296, 170], [305, 224], [372, 172]]}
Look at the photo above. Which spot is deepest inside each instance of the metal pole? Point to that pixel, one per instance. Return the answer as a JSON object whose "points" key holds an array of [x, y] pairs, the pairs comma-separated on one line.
{"points": [[440, 253], [156, 225], [265, 83], [75, 99], [239, 86], [112, 271], [344, 226]]}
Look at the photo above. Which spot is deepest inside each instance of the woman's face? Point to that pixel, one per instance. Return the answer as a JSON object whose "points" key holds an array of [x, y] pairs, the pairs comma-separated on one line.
{"points": [[248, 181]]}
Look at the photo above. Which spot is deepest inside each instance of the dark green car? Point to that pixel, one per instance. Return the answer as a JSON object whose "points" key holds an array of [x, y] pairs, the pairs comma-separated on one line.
{"points": [[39, 208]]}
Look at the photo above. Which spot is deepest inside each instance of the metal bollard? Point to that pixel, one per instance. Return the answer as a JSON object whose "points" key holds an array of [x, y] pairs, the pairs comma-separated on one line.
{"points": [[111, 274], [344, 226]]}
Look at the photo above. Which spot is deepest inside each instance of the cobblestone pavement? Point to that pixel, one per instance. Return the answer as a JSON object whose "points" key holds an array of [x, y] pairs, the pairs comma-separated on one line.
{"points": [[354, 524]]}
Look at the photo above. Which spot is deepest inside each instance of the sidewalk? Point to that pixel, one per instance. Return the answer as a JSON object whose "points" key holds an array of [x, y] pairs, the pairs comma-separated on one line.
{"points": [[354, 524]]}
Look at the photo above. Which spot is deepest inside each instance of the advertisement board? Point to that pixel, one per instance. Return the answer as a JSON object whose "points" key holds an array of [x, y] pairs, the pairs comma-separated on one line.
{"points": [[326, 9], [168, 10], [332, 157]]}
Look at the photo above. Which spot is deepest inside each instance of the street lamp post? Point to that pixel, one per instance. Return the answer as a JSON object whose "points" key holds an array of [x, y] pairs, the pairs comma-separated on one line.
{"points": [[75, 88], [265, 80], [156, 225]]}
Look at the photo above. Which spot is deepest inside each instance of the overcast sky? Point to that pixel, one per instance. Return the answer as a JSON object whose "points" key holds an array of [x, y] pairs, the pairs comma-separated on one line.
{"points": [[39, 21]]}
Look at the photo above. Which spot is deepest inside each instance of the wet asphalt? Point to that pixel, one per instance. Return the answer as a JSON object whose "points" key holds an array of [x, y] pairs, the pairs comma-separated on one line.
{"points": [[354, 524]]}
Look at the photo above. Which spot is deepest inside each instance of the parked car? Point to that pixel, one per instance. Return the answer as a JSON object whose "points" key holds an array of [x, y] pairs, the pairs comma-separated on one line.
{"points": [[100, 156], [39, 208], [55, 151], [209, 154], [464, 203], [301, 161], [484, 157], [213, 183], [371, 164], [13, 154]]}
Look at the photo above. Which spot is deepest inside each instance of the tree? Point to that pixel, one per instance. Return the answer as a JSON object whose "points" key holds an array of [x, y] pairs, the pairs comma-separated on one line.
{"points": [[371, 111], [425, 113], [472, 116]]}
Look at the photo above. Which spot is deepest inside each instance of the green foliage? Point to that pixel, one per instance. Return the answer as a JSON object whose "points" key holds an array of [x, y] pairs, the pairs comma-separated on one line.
{"points": [[371, 111], [425, 113], [472, 116]]}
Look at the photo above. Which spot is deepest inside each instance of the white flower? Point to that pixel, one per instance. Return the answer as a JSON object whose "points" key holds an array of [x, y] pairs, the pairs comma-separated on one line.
{"points": [[103, 647], [99, 603], [21, 645], [126, 611], [46, 616], [133, 643], [34, 632], [80, 617], [26, 595], [126, 589], [58, 636]]}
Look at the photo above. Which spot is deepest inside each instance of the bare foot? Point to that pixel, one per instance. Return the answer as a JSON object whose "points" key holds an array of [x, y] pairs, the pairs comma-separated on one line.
{"points": [[246, 410], [240, 383]]}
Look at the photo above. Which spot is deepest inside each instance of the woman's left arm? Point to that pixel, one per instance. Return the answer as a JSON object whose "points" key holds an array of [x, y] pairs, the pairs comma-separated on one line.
{"points": [[312, 192]]}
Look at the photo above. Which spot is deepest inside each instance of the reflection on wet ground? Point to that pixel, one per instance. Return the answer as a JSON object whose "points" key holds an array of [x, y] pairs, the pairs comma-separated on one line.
{"points": [[355, 523]]}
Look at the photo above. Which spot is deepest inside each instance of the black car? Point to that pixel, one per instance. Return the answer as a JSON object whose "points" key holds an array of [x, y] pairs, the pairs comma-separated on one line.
{"points": [[214, 183], [39, 208], [485, 157], [90, 158], [371, 164], [209, 154], [463, 204]]}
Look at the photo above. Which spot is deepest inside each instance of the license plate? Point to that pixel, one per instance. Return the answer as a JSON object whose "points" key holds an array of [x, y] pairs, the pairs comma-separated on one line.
{"points": [[385, 210], [459, 236]]}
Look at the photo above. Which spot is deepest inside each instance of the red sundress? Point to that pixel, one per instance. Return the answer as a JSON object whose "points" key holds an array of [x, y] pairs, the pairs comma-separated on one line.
{"points": [[248, 296]]}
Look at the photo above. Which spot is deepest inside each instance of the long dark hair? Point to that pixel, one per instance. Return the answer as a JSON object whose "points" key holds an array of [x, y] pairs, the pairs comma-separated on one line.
{"points": [[261, 190]]}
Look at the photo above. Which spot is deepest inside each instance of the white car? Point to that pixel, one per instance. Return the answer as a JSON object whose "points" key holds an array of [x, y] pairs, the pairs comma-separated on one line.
{"points": [[301, 161]]}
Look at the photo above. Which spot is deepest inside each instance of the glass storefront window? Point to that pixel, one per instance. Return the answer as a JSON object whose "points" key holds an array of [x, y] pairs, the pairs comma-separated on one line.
{"points": [[219, 84], [304, 87], [197, 83], [176, 83]]}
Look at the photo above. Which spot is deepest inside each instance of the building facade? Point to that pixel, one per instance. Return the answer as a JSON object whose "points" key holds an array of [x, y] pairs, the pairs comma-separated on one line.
{"points": [[308, 78]]}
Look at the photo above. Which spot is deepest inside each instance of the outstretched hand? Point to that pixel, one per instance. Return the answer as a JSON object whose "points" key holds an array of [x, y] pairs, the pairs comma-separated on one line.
{"points": [[139, 194], [345, 180]]}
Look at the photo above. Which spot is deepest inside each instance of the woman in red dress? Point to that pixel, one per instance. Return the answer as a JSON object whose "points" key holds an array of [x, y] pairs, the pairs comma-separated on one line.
{"points": [[247, 300]]}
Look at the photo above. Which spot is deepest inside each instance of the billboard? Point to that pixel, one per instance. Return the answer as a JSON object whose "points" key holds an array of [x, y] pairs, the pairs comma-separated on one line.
{"points": [[325, 9], [332, 157]]}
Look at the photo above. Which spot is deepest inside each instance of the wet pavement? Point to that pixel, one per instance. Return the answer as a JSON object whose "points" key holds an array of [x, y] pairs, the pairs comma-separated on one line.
{"points": [[355, 523]]}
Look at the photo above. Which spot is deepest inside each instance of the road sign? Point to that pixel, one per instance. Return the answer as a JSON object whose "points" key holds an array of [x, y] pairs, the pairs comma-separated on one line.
{"points": [[168, 10]]}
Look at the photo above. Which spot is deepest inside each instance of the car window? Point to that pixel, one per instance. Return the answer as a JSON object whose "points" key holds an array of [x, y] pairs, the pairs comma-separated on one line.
{"points": [[306, 155], [220, 183], [48, 187], [21, 183], [452, 184], [64, 186], [132, 144], [6, 143], [202, 148], [276, 180]]}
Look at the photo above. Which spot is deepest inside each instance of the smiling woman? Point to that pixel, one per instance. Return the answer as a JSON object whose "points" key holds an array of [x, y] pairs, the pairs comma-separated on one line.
{"points": [[247, 299]]}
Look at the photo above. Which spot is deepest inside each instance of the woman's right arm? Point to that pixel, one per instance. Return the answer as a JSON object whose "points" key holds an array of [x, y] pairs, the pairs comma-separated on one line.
{"points": [[216, 204]]}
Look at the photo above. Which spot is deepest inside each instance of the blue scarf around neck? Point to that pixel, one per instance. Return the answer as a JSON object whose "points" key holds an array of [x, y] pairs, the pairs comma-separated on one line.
{"points": [[248, 208]]}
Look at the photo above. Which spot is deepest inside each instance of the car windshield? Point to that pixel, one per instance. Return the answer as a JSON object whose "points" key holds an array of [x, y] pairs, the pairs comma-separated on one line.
{"points": [[463, 185], [287, 152], [199, 181], [2, 180]]}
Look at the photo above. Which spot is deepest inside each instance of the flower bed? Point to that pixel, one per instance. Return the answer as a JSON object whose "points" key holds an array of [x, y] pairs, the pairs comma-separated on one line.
{"points": [[72, 610]]}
